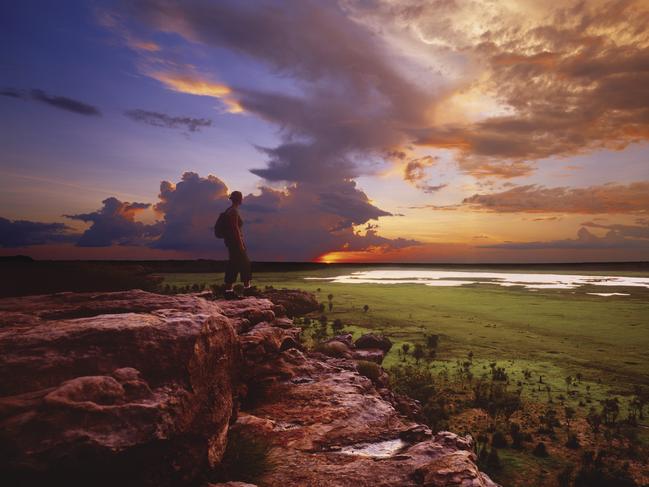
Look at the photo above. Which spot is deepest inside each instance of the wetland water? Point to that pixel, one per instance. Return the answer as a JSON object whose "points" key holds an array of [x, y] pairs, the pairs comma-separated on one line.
{"points": [[530, 281]]}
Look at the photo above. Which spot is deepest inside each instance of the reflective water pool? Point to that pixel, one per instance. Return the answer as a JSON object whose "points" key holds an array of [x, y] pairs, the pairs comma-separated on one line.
{"points": [[459, 278]]}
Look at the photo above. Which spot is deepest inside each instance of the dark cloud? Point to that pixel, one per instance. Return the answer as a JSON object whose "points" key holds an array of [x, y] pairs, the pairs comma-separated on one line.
{"points": [[353, 106], [585, 240], [607, 198], [10, 92], [115, 223], [301, 223], [546, 219], [158, 119], [21, 233], [65, 103], [62, 102], [415, 172]]}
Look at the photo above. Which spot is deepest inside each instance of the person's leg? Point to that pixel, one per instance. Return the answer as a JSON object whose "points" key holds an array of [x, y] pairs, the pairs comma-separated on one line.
{"points": [[246, 271], [231, 270]]}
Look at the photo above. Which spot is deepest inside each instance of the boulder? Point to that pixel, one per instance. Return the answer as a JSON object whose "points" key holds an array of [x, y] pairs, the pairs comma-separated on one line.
{"points": [[370, 354], [294, 302], [334, 348], [347, 339], [131, 388], [371, 340]]}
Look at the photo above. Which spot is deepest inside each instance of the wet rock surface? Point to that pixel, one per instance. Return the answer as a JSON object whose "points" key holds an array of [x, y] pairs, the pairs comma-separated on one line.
{"points": [[136, 388]]}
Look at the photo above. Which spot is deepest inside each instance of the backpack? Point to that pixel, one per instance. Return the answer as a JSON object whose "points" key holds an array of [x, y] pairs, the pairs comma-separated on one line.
{"points": [[220, 227]]}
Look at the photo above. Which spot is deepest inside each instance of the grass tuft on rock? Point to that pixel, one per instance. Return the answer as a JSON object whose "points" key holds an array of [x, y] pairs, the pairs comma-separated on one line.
{"points": [[246, 459]]}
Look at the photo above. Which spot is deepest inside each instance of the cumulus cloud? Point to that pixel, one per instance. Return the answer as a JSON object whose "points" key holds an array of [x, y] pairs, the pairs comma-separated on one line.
{"points": [[61, 102], [607, 198], [301, 223], [189, 210], [22, 233], [158, 119], [115, 223], [585, 240]]}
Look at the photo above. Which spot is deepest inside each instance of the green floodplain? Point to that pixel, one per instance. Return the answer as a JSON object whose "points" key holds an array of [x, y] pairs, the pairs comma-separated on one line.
{"points": [[555, 332], [562, 348]]}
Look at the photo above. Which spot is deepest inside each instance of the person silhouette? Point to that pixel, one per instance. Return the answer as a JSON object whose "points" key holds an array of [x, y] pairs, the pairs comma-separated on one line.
{"points": [[238, 261]]}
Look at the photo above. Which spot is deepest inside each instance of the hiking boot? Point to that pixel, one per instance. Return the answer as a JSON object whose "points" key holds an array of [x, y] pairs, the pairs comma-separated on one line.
{"points": [[250, 291], [231, 296]]}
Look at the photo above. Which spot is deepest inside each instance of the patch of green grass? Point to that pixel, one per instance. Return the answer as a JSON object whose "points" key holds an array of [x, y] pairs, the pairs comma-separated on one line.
{"points": [[520, 469]]}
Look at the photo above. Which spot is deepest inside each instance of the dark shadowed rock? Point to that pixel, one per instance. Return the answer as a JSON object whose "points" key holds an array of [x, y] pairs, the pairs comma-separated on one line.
{"points": [[370, 340], [231, 484]]}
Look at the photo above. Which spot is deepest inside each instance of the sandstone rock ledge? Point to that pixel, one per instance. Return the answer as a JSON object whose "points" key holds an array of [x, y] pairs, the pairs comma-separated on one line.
{"points": [[134, 388]]}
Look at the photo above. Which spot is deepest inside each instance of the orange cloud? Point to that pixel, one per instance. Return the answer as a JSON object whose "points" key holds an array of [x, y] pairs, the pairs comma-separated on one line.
{"points": [[141, 45], [607, 198], [573, 82], [195, 85]]}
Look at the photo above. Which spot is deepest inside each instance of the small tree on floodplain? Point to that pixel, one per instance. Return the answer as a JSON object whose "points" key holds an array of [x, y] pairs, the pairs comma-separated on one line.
{"points": [[418, 352], [337, 326], [570, 413]]}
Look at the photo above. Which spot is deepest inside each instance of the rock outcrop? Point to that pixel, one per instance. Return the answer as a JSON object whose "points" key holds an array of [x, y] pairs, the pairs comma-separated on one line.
{"points": [[134, 388], [328, 425]]}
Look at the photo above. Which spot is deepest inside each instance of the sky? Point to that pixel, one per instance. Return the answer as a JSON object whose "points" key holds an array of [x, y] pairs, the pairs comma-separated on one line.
{"points": [[357, 130]]}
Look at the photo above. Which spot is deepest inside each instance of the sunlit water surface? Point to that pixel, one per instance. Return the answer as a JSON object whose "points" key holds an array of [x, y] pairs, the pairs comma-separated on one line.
{"points": [[530, 281]]}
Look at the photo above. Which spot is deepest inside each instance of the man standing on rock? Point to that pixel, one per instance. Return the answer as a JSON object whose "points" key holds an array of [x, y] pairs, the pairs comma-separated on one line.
{"points": [[238, 262]]}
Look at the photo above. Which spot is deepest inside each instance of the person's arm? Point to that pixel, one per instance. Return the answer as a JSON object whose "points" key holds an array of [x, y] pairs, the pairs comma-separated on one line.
{"points": [[239, 232], [235, 229]]}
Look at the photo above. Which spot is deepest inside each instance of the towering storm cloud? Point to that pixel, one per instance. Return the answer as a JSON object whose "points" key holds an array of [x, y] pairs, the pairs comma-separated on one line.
{"points": [[300, 223]]}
